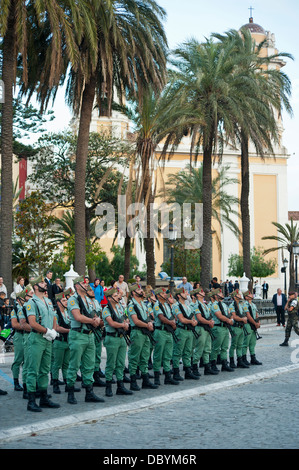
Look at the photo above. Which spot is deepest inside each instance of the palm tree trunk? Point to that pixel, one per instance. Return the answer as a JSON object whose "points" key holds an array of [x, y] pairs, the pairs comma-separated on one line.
{"points": [[80, 174], [8, 73], [149, 242], [206, 249], [245, 215], [127, 263], [292, 286]]}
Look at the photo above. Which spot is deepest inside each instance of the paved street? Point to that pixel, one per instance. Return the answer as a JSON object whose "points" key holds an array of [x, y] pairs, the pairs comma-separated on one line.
{"points": [[247, 409]]}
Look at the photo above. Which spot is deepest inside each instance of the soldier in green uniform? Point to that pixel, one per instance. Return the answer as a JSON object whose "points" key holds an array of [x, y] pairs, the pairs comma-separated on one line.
{"points": [[250, 309], [18, 344], [61, 350], [240, 319], [116, 347], [24, 296], [165, 326], [142, 329], [41, 317], [291, 308], [221, 317], [203, 346], [183, 348], [81, 342]]}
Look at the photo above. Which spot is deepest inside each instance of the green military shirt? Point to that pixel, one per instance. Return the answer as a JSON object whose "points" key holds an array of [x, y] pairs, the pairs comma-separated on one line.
{"points": [[142, 310], [43, 311], [73, 304], [176, 311], [15, 313], [106, 313], [231, 309], [253, 308], [157, 311]]}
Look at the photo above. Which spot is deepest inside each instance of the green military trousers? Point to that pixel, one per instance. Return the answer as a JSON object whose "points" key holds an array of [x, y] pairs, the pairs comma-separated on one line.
{"points": [[18, 354], [98, 354], [237, 342], [183, 348], [26, 357], [39, 362], [116, 349], [163, 350], [220, 344], [139, 352], [61, 359], [292, 322], [202, 346], [82, 356], [249, 342]]}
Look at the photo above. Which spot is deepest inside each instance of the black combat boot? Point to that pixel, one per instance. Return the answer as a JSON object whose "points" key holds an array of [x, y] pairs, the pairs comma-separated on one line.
{"points": [[108, 392], [76, 389], [208, 370], [254, 361], [126, 380], [232, 363], [134, 386], [146, 383], [3, 392], [56, 388], [241, 364], [169, 380], [157, 378], [285, 343], [97, 380], [189, 374], [25, 393], [176, 375], [70, 395], [219, 362], [138, 376], [32, 405], [121, 389], [214, 367], [195, 370], [18, 387], [244, 358], [45, 402], [90, 397], [226, 367]]}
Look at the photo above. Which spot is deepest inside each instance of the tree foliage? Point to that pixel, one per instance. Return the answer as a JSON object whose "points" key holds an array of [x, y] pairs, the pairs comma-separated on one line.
{"points": [[260, 267]]}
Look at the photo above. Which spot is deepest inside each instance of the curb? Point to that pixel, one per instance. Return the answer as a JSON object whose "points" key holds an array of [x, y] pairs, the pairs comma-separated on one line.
{"points": [[94, 416]]}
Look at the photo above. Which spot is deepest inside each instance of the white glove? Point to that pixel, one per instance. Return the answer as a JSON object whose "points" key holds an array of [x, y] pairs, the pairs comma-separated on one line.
{"points": [[54, 334], [48, 335]]}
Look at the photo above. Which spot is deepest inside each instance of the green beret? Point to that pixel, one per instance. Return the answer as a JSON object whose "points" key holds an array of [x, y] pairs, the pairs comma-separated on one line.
{"points": [[24, 292], [159, 290], [133, 287], [195, 291], [245, 294], [149, 294], [216, 291], [210, 294], [110, 292], [234, 293], [78, 280], [179, 291], [37, 280]]}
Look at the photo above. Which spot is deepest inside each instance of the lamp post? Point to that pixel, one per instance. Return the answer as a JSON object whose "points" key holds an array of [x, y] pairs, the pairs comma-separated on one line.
{"points": [[295, 246], [285, 264], [172, 237]]}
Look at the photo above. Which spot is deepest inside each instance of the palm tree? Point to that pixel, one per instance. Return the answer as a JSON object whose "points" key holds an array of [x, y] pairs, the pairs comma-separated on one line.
{"points": [[131, 53], [265, 90], [288, 234], [17, 29], [187, 187]]}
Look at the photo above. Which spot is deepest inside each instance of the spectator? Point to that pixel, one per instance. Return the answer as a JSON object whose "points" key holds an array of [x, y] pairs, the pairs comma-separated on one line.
{"points": [[123, 286], [98, 290], [57, 287], [86, 280], [48, 278], [104, 300], [138, 281], [215, 283], [19, 287], [2, 286], [236, 285], [230, 287], [279, 300], [186, 285], [265, 287]]}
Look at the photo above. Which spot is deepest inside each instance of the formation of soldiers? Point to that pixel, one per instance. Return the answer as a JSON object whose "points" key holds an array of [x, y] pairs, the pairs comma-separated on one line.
{"points": [[158, 330]]}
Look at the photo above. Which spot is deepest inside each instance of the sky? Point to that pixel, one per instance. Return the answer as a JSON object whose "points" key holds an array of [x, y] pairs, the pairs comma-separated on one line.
{"points": [[201, 18]]}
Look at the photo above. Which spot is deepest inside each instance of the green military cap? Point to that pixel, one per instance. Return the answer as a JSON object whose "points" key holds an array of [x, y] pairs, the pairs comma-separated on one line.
{"points": [[195, 291], [210, 294], [159, 290], [78, 280], [24, 292], [179, 291], [216, 291], [63, 294], [234, 293], [149, 293], [110, 292], [37, 280], [245, 294], [133, 287]]}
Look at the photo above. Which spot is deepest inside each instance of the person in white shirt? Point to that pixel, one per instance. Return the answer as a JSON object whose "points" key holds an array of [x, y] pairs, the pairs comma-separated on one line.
{"points": [[123, 286], [2, 287]]}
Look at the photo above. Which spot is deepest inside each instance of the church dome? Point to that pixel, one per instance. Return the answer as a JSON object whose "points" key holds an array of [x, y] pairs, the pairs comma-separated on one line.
{"points": [[254, 28]]}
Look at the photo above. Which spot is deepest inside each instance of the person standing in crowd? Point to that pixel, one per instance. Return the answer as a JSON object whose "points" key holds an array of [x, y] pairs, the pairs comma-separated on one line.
{"points": [[116, 348], [265, 288], [19, 287], [250, 309], [279, 300], [56, 288], [236, 285], [24, 297], [104, 300], [141, 327], [48, 278], [18, 343], [123, 286], [292, 308], [187, 286], [42, 319], [81, 342], [98, 290], [2, 286]]}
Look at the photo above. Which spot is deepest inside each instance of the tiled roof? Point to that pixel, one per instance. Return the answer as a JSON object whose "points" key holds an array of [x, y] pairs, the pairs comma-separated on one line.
{"points": [[294, 215]]}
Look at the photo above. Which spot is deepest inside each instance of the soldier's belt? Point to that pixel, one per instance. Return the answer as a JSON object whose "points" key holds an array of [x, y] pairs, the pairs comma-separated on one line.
{"points": [[162, 327], [119, 335], [219, 324], [238, 325], [80, 330], [183, 327]]}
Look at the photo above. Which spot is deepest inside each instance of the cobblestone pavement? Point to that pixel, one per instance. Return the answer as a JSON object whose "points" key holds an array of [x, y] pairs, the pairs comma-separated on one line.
{"points": [[260, 413]]}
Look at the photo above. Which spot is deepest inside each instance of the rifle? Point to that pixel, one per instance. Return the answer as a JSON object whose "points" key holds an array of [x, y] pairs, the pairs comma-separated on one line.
{"points": [[144, 330], [168, 327], [61, 322], [118, 320], [242, 316], [232, 333], [253, 327], [204, 325], [189, 326], [85, 312]]}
